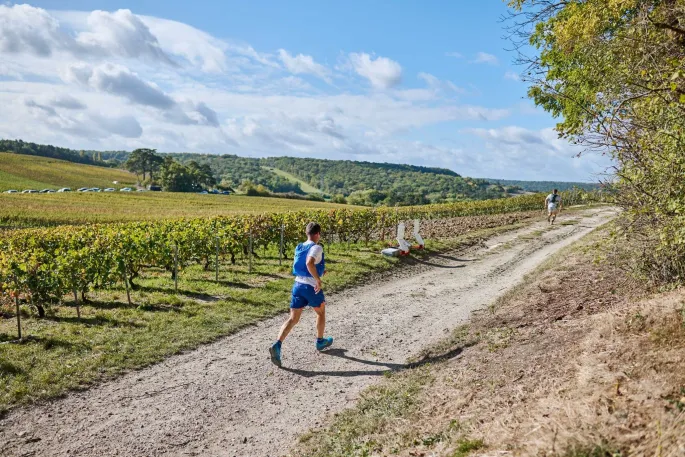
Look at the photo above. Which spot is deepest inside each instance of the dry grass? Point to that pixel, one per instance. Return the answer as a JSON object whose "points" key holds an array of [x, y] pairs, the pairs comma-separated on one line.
{"points": [[575, 362]]}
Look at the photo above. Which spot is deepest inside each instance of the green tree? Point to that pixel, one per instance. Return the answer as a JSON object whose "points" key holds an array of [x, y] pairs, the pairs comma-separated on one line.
{"points": [[614, 72]]}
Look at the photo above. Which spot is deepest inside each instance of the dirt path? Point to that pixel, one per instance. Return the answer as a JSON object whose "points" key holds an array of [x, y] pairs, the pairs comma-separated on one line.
{"points": [[227, 399]]}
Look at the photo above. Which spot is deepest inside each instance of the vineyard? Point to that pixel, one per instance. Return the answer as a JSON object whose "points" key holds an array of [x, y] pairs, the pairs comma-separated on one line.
{"points": [[44, 265]]}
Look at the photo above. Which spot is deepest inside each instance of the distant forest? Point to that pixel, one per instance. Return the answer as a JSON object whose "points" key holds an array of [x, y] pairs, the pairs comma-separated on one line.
{"points": [[544, 186], [360, 183]]}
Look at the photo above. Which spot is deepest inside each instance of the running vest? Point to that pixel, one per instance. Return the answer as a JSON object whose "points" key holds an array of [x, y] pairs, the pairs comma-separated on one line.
{"points": [[554, 199], [300, 262]]}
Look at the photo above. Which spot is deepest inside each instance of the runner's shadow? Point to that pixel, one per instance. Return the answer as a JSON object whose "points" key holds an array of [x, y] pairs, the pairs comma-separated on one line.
{"points": [[431, 264], [389, 367], [449, 257]]}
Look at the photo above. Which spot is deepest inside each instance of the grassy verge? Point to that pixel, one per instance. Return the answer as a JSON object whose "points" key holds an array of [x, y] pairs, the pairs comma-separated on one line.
{"points": [[63, 352], [576, 361]]}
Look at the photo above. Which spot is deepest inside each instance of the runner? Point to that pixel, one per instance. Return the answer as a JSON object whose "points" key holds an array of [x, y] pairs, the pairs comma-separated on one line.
{"points": [[553, 205], [309, 266]]}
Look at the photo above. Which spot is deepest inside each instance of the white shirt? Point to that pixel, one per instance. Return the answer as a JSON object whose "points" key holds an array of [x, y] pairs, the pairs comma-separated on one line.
{"points": [[316, 252]]}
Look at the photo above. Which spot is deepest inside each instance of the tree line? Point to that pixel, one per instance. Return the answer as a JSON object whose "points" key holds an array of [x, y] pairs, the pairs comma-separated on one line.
{"points": [[172, 175], [614, 73]]}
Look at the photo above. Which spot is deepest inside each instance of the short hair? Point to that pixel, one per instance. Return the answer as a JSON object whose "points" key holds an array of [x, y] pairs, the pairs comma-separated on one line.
{"points": [[313, 228], [555, 191]]}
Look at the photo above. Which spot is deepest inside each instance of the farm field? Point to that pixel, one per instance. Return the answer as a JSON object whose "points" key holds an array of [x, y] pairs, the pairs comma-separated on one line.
{"points": [[22, 172], [308, 188], [68, 208]]}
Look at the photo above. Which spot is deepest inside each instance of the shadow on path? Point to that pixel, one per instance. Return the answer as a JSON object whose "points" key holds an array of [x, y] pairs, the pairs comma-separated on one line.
{"points": [[384, 367]]}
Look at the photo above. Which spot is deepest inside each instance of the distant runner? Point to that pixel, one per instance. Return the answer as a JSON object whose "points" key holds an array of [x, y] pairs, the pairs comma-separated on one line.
{"points": [[553, 205], [308, 267]]}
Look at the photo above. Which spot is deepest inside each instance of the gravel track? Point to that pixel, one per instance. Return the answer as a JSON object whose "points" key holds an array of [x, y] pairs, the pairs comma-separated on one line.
{"points": [[226, 399]]}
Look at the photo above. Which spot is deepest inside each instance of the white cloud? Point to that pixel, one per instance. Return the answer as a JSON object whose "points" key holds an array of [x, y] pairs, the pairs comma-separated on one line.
{"points": [[512, 76], [120, 81], [67, 101], [301, 63], [26, 29], [514, 152], [123, 34], [437, 84], [484, 57], [383, 73]]}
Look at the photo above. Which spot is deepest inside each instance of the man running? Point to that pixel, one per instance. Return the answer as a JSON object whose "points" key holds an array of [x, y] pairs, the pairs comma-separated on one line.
{"points": [[308, 267], [553, 205]]}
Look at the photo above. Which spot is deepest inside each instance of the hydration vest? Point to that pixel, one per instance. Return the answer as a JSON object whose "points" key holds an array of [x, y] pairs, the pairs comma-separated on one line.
{"points": [[555, 198], [300, 262]]}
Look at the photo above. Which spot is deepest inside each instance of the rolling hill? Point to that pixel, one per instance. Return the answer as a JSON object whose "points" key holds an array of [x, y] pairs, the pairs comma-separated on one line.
{"points": [[21, 172], [360, 183]]}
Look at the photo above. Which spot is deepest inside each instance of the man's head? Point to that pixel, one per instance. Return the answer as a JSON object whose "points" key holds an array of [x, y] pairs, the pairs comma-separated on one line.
{"points": [[313, 231], [556, 191]]}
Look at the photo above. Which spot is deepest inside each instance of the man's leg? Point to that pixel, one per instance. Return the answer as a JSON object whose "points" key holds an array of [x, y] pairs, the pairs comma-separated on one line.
{"points": [[554, 216], [291, 322], [320, 320], [321, 341]]}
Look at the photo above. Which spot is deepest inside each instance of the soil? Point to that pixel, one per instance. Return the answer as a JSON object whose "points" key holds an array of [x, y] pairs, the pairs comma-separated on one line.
{"points": [[227, 399]]}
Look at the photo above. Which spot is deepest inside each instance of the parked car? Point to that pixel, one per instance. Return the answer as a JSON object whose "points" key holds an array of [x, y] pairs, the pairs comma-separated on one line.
{"points": [[204, 192], [140, 190], [11, 191], [82, 189], [94, 189], [110, 189], [64, 189], [225, 192], [46, 191], [125, 189], [154, 188], [29, 191], [214, 192]]}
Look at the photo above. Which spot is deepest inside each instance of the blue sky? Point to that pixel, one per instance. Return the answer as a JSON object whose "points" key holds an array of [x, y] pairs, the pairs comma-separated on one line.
{"points": [[428, 83]]}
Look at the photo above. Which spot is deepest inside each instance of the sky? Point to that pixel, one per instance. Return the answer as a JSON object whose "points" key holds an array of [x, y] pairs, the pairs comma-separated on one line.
{"points": [[424, 83]]}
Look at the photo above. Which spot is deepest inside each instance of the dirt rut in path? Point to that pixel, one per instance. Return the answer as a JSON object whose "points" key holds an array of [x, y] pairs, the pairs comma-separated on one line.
{"points": [[227, 399]]}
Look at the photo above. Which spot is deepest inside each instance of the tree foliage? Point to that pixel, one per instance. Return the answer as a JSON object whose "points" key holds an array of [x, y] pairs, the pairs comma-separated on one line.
{"points": [[614, 72], [176, 177]]}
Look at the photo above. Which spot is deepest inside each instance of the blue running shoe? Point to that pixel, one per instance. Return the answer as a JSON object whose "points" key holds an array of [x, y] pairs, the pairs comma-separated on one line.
{"points": [[275, 352], [323, 343]]}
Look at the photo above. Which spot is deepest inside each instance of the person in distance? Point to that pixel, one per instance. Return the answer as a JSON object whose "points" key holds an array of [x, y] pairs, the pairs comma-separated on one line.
{"points": [[553, 205]]}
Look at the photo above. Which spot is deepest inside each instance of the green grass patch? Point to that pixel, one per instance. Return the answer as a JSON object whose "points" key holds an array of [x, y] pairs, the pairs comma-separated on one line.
{"points": [[306, 187], [466, 446], [21, 172], [354, 431]]}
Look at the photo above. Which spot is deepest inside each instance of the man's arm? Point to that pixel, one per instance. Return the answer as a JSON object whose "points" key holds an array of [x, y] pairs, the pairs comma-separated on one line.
{"points": [[311, 267]]}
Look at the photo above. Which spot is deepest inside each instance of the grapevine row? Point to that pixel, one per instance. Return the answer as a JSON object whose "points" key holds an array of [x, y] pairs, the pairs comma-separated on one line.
{"points": [[43, 265]]}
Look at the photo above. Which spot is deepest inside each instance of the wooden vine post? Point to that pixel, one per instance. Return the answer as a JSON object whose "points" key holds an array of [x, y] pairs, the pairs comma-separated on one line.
{"points": [[16, 304], [216, 260], [176, 268]]}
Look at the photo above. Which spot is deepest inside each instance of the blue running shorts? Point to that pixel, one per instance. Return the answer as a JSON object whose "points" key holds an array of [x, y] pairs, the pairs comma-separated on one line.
{"points": [[303, 295]]}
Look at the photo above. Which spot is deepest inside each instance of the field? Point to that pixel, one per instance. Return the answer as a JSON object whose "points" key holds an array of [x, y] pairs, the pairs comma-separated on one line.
{"points": [[52, 209], [21, 172], [303, 185]]}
